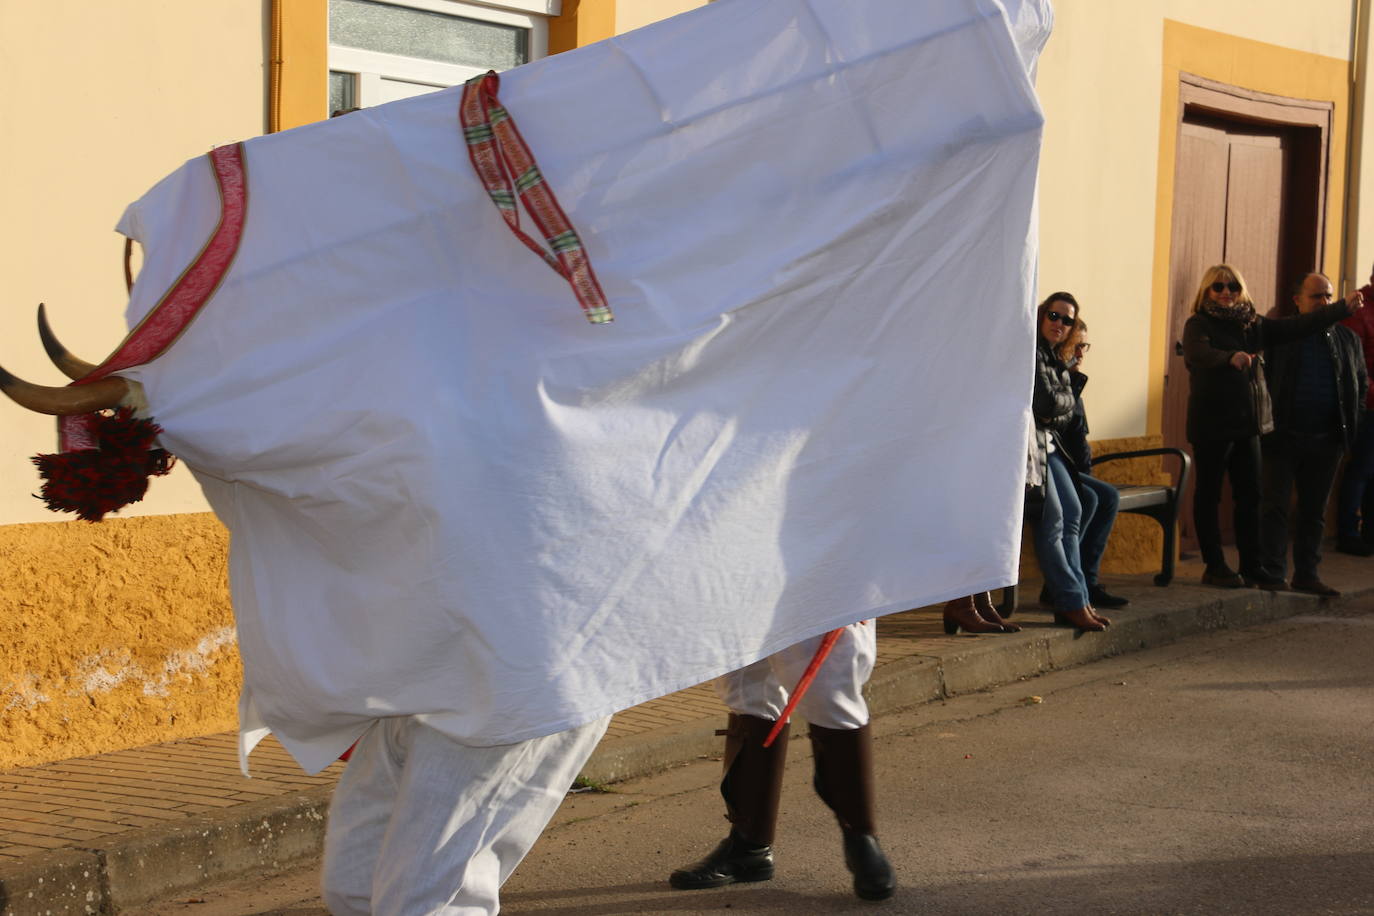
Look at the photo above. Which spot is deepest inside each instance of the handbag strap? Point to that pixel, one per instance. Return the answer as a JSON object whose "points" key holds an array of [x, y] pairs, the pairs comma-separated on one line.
{"points": [[507, 170]]}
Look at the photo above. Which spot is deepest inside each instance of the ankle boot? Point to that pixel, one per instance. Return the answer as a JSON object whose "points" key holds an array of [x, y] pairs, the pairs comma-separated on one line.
{"points": [[752, 789], [844, 781], [1083, 619], [735, 860], [982, 602], [961, 614]]}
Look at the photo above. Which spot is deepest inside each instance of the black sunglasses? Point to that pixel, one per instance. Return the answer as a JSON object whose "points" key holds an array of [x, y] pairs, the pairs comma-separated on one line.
{"points": [[1233, 286], [1066, 320]]}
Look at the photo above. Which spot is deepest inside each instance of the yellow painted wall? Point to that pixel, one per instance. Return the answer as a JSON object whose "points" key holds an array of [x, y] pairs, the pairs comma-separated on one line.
{"points": [[1105, 166], [582, 22], [298, 78], [114, 635]]}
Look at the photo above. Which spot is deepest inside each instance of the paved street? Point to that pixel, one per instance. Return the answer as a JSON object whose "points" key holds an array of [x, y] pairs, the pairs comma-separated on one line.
{"points": [[1229, 773]]}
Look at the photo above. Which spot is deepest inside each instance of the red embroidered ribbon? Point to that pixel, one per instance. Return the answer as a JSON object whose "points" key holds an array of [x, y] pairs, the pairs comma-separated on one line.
{"points": [[506, 168], [104, 460], [182, 301]]}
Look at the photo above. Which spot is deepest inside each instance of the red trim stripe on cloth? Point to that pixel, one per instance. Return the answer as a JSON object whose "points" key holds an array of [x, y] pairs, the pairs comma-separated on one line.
{"points": [[183, 300], [507, 169]]}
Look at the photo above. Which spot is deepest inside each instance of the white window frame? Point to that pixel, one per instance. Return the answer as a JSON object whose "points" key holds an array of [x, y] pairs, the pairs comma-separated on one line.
{"points": [[371, 67]]}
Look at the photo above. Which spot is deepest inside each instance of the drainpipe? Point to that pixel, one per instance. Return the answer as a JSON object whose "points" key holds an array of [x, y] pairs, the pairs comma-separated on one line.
{"points": [[274, 52], [1351, 268]]}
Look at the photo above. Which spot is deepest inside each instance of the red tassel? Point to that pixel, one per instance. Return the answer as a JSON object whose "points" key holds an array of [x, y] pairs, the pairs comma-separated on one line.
{"points": [[92, 482]]}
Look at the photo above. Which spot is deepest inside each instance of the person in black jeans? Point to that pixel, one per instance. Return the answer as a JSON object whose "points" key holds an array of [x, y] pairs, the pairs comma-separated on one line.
{"points": [[1318, 387], [1229, 409]]}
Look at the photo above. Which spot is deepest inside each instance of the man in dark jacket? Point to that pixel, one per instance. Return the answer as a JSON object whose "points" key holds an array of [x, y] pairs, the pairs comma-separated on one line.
{"points": [[1317, 385]]}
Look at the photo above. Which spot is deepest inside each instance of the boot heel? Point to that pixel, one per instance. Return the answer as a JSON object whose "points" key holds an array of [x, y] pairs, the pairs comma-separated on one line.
{"points": [[951, 627], [760, 873]]}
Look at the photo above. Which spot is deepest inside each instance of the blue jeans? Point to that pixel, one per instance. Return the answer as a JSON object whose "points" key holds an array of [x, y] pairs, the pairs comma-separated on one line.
{"points": [[1056, 537], [1349, 512], [1100, 501]]}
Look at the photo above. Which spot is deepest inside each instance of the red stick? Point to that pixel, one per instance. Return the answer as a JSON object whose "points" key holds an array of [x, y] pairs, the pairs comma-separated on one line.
{"points": [[807, 677]]}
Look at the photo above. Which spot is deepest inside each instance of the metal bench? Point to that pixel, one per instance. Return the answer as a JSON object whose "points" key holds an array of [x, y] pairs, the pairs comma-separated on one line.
{"points": [[1158, 501]]}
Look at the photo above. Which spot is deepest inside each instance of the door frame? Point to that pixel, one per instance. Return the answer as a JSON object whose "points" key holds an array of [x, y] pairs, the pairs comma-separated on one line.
{"points": [[1233, 61], [1197, 93], [1199, 96]]}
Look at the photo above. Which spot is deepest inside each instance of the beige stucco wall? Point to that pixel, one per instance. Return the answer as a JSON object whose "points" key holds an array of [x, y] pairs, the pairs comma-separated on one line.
{"points": [[103, 100], [1360, 248], [1100, 82], [120, 633], [632, 14]]}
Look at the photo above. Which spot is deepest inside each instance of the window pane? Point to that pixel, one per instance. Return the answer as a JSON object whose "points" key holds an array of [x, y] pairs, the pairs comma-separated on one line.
{"points": [[341, 91], [410, 32]]}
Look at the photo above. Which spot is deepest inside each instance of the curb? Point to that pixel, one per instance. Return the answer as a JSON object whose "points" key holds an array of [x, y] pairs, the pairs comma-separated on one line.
{"points": [[154, 862]]}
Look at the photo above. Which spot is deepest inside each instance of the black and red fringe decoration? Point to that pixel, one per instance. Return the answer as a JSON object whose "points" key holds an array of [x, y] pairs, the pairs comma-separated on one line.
{"points": [[94, 481]]}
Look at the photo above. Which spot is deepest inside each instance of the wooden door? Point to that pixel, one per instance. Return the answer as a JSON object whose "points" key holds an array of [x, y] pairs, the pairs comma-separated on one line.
{"points": [[1250, 189], [1254, 211], [1229, 190]]}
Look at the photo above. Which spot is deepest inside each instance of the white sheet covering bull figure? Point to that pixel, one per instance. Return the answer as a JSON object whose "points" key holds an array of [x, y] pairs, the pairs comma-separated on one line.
{"points": [[456, 504]]}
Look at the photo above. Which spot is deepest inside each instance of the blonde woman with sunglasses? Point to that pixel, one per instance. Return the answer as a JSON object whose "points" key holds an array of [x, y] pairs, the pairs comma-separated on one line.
{"points": [[1229, 409]]}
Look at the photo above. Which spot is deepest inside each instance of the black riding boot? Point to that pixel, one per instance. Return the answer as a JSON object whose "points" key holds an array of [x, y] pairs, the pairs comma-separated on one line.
{"points": [[844, 781], [752, 787]]}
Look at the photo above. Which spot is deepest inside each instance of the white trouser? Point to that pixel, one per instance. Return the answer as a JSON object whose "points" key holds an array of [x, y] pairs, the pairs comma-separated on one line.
{"points": [[421, 825], [835, 699]]}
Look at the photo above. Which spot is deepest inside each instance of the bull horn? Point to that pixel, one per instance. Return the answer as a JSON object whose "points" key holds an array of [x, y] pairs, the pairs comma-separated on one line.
{"points": [[71, 366], [105, 394]]}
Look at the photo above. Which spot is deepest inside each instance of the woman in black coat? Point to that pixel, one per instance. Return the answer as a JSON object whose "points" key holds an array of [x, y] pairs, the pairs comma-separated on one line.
{"points": [[1057, 522], [1229, 409]]}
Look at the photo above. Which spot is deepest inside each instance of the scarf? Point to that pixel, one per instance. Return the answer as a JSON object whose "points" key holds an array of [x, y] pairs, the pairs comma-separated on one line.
{"points": [[1243, 313]]}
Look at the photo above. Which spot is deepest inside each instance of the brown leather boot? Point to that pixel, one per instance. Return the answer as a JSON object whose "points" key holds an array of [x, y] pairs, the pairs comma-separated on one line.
{"points": [[844, 781], [1082, 618], [960, 614], [982, 602], [752, 789]]}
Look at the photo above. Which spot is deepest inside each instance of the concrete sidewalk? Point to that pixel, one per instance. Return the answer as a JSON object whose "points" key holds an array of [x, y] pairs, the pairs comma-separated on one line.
{"points": [[98, 834]]}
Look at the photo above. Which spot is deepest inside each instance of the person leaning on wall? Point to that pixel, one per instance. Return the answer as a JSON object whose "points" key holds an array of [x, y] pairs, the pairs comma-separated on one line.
{"points": [[1229, 408]]}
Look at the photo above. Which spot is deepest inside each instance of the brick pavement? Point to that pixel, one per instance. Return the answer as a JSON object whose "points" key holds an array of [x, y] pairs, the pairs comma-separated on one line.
{"points": [[80, 802], [123, 827]]}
